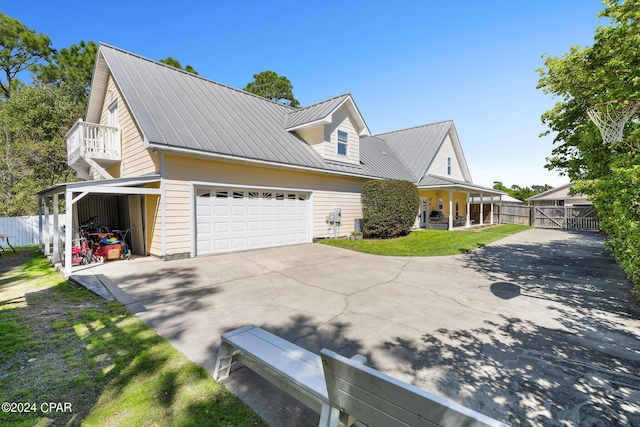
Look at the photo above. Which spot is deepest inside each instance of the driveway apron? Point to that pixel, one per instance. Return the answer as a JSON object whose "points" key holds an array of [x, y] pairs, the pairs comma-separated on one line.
{"points": [[537, 329]]}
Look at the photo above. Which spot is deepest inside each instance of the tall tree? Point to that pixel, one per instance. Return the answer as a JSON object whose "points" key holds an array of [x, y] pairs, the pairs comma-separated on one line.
{"points": [[270, 85], [175, 63], [20, 49], [608, 173], [33, 124], [73, 65]]}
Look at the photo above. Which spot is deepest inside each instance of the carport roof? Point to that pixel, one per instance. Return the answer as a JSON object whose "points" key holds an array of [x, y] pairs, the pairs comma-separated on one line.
{"points": [[118, 185]]}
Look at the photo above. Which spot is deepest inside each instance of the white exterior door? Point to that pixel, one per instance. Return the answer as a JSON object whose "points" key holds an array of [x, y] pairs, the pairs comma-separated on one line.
{"points": [[424, 211], [236, 219]]}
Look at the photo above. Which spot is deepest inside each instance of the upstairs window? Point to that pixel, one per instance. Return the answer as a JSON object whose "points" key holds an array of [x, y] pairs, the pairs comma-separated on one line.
{"points": [[448, 165], [342, 142]]}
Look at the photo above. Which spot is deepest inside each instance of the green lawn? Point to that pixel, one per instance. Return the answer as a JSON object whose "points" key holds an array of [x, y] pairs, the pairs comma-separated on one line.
{"points": [[98, 364], [430, 242]]}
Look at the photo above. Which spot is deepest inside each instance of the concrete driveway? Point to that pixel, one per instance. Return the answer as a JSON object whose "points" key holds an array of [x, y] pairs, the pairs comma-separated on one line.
{"points": [[537, 329]]}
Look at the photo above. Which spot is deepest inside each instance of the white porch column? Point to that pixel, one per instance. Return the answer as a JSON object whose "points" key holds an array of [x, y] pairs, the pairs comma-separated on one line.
{"points": [[47, 232], [450, 209], [491, 210], [56, 240], [468, 219], [481, 207], [40, 242], [68, 230]]}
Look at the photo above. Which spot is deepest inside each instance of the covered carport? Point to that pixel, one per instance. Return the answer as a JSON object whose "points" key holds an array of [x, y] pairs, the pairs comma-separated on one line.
{"points": [[100, 192]]}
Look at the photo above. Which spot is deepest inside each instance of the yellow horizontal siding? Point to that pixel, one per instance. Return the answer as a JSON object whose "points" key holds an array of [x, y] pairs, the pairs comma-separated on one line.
{"points": [[136, 159], [341, 121], [329, 192], [439, 164]]}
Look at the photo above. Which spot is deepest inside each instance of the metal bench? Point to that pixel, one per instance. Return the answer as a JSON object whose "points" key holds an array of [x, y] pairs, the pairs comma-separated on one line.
{"points": [[6, 238], [358, 392], [343, 391]]}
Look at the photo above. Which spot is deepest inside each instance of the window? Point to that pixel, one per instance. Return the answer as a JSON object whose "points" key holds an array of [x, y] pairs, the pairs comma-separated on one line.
{"points": [[254, 195], [448, 165], [238, 194], [342, 142], [457, 209], [440, 204], [203, 192], [221, 194], [112, 119]]}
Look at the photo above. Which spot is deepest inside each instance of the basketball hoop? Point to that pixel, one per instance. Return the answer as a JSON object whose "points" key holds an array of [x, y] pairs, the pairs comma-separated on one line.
{"points": [[610, 117]]}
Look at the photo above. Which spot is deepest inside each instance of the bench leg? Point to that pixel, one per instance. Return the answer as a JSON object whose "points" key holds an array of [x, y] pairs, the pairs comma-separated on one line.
{"points": [[224, 361], [329, 416]]}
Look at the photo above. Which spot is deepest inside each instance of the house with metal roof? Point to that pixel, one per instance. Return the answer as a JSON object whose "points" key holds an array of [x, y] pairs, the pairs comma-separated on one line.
{"points": [[194, 167], [560, 196]]}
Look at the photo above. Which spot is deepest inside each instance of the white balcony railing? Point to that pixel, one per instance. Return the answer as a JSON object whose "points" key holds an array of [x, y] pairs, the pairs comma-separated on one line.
{"points": [[90, 140]]}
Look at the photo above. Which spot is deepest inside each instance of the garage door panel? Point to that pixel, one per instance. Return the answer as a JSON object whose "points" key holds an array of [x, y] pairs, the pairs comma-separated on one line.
{"points": [[239, 219], [221, 244], [220, 227], [221, 210]]}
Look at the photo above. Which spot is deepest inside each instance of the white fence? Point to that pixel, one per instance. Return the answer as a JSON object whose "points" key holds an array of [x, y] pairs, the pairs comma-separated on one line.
{"points": [[23, 230]]}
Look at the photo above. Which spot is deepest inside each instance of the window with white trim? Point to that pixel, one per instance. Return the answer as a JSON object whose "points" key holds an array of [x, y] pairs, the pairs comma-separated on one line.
{"points": [[112, 114], [448, 165], [343, 142]]}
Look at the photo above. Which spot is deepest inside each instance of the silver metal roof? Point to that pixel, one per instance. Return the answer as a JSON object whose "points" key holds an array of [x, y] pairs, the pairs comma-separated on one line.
{"points": [[418, 146], [377, 156], [314, 112], [179, 110], [176, 109], [436, 181]]}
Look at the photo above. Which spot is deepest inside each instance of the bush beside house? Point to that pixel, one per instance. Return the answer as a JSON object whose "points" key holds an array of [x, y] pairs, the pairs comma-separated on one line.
{"points": [[389, 208]]}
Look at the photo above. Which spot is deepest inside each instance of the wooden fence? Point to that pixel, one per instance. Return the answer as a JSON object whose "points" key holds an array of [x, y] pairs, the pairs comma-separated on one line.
{"points": [[566, 217], [23, 230], [563, 217], [515, 214]]}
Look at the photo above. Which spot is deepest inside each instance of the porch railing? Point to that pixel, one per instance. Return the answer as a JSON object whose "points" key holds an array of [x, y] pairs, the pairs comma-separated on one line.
{"points": [[92, 140]]}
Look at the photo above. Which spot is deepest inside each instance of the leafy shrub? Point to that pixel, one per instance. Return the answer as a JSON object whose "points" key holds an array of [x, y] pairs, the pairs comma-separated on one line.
{"points": [[616, 198], [389, 208]]}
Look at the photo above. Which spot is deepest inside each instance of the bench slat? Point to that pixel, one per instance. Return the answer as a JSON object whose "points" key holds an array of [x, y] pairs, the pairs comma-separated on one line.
{"points": [[297, 365], [368, 395]]}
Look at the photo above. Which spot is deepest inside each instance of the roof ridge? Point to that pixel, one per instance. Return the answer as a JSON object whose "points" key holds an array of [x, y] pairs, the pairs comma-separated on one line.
{"points": [[417, 127], [155, 62], [320, 102]]}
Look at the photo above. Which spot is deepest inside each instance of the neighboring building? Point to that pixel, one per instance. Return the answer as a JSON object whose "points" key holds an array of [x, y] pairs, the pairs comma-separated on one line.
{"points": [[559, 196], [195, 167]]}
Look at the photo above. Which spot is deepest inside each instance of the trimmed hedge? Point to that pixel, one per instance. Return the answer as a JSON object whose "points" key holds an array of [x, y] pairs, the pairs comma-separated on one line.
{"points": [[389, 208]]}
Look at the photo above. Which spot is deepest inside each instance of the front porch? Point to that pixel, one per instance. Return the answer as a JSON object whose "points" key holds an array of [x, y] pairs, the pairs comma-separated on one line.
{"points": [[446, 204]]}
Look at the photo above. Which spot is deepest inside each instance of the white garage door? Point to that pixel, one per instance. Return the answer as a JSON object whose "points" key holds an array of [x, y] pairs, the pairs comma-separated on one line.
{"points": [[236, 219]]}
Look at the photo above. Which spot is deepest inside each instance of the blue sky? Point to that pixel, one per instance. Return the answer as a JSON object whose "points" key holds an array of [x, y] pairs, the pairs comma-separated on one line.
{"points": [[406, 63]]}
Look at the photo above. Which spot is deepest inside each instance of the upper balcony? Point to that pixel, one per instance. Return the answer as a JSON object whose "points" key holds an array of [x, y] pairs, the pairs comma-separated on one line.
{"points": [[93, 145]]}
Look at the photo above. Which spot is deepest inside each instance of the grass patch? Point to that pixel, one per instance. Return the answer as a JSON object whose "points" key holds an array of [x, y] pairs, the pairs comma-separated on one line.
{"points": [[430, 242], [62, 344]]}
